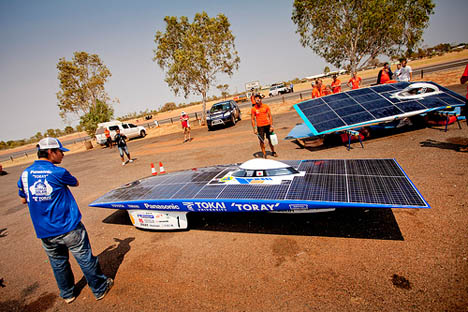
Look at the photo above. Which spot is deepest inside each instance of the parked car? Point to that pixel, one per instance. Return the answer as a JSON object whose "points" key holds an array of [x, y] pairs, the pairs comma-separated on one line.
{"points": [[128, 129], [278, 89], [223, 113], [100, 136]]}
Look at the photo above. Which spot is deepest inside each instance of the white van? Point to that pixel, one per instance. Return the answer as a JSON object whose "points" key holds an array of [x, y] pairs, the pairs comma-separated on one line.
{"points": [[127, 129]]}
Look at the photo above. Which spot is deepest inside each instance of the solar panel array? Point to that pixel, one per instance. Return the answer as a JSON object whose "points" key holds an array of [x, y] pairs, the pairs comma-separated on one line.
{"points": [[367, 181], [360, 106]]}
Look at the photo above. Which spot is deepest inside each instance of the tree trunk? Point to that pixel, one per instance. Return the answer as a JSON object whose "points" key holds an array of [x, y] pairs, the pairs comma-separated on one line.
{"points": [[204, 108]]}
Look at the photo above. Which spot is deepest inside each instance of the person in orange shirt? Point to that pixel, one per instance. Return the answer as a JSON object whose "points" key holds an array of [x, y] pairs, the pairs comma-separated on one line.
{"points": [[354, 82], [252, 96], [108, 137], [385, 74], [317, 89], [327, 91], [261, 115], [336, 84]]}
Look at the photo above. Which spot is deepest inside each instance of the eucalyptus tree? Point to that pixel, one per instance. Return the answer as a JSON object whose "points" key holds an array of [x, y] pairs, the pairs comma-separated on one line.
{"points": [[193, 53], [352, 32]]}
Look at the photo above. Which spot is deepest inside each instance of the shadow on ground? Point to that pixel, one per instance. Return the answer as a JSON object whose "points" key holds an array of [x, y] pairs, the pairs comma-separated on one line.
{"points": [[110, 260], [452, 144], [379, 223], [376, 132], [43, 303]]}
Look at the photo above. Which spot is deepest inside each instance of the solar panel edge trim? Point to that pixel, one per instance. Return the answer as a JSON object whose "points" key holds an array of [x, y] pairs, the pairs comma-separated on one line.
{"points": [[237, 205], [305, 119], [412, 184]]}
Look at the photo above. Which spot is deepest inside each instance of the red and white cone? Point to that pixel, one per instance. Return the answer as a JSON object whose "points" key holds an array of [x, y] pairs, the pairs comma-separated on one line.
{"points": [[161, 168], [153, 170]]}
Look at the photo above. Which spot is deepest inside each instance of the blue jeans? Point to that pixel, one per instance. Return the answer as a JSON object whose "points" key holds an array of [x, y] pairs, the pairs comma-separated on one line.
{"points": [[77, 242], [123, 149]]}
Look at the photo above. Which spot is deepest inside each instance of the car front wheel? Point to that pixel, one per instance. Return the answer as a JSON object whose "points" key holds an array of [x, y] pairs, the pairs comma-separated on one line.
{"points": [[142, 133], [233, 119]]}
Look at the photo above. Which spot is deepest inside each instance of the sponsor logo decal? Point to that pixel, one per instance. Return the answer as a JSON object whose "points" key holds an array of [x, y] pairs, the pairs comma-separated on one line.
{"points": [[255, 207], [298, 206], [252, 180], [133, 206], [145, 216], [159, 207], [205, 206], [118, 205]]}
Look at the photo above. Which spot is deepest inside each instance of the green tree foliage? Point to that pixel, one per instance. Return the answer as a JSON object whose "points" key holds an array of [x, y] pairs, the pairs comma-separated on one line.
{"points": [[37, 136], [82, 83], [50, 133], [168, 107], [192, 54], [326, 70], [223, 88], [68, 130], [350, 33], [3, 145], [101, 112]]}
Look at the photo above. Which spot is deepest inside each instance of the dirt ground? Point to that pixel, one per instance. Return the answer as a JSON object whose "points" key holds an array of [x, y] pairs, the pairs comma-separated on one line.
{"points": [[347, 260]]}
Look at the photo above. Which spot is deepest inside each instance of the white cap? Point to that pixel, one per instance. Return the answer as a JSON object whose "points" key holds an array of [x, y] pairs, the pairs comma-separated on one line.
{"points": [[48, 143], [183, 113]]}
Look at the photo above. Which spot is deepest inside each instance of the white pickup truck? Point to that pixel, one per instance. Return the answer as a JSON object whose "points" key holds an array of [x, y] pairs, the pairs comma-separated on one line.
{"points": [[127, 129], [278, 89]]}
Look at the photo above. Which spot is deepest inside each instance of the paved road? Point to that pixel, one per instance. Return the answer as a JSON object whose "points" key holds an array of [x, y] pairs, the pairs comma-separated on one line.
{"points": [[418, 72]]}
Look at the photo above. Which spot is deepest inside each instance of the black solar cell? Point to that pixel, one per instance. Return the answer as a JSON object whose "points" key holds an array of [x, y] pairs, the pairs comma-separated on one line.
{"points": [[357, 118], [377, 104], [342, 103], [360, 92], [433, 102], [410, 106], [331, 123], [336, 97], [326, 188], [258, 192], [318, 118], [310, 104], [350, 110], [367, 97], [450, 100], [386, 112]]}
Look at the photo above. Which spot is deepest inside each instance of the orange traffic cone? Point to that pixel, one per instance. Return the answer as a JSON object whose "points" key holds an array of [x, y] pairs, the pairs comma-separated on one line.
{"points": [[161, 168], [153, 170]]}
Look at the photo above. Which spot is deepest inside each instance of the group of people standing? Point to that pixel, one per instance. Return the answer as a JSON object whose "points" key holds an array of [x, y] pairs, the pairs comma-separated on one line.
{"points": [[319, 89], [403, 72]]}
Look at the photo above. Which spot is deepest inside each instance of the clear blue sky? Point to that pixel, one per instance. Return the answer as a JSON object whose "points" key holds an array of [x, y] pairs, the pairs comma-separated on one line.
{"points": [[35, 34]]}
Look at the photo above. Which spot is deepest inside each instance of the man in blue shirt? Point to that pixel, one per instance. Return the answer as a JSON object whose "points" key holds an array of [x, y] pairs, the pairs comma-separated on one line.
{"points": [[57, 220]]}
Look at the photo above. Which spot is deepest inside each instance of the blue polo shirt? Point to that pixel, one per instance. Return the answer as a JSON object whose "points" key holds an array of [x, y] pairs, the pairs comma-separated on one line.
{"points": [[52, 207]]}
